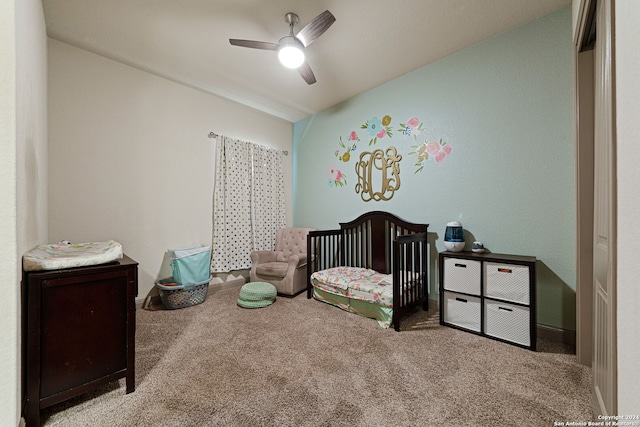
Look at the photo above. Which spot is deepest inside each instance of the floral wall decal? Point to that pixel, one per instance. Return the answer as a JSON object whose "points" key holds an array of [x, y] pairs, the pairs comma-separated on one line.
{"points": [[336, 177], [387, 164], [378, 129], [435, 150], [413, 127], [344, 155]]}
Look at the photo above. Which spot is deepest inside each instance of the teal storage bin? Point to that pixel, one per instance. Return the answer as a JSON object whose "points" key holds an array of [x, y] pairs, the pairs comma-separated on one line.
{"points": [[190, 265]]}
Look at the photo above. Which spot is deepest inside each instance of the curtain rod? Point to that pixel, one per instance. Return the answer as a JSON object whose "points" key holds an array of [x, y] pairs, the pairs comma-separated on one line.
{"points": [[215, 135]]}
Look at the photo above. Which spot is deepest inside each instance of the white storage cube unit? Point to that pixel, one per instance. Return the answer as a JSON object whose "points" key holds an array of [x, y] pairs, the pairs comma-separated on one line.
{"points": [[507, 321], [492, 295], [462, 275], [508, 282], [462, 310]]}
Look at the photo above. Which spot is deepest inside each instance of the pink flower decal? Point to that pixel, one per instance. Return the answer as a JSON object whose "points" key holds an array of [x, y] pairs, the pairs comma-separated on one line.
{"points": [[433, 147], [413, 127], [353, 136], [413, 122], [436, 150], [382, 133], [336, 177], [331, 172]]}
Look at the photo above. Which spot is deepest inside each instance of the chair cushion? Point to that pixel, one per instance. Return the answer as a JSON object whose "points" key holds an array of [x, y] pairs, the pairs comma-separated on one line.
{"points": [[257, 295], [272, 269], [291, 241]]}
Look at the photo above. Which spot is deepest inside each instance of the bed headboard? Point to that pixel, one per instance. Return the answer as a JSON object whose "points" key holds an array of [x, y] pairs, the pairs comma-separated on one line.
{"points": [[367, 241]]}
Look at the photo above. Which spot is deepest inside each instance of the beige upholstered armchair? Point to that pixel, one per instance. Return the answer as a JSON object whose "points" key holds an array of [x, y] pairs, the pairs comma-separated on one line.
{"points": [[286, 266]]}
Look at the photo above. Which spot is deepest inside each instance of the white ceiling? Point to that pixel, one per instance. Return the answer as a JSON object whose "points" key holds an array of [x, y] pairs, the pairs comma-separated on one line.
{"points": [[371, 42]]}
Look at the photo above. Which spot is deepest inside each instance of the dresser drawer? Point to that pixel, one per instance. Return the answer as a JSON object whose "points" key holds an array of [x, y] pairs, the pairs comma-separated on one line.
{"points": [[509, 282], [507, 321], [462, 275], [462, 310]]}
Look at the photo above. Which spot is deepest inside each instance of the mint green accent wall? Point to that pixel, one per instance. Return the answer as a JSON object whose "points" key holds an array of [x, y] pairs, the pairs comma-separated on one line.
{"points": [[505, 107]]}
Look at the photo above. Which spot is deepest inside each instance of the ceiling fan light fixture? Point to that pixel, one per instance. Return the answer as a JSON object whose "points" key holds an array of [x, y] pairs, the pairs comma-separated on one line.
{"points": [[291, 48], [290, 52]]}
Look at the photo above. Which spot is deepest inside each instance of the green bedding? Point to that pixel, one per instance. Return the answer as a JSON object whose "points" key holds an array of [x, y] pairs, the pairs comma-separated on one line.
{"points": [[384, 315]]}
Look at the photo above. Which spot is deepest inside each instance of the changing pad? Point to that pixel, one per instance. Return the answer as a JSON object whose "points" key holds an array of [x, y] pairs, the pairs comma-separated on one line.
{"points": [[64, 255]]}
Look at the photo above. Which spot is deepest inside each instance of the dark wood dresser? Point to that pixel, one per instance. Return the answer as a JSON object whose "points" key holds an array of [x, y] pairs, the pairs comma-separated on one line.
{"points": [[78, 331]]}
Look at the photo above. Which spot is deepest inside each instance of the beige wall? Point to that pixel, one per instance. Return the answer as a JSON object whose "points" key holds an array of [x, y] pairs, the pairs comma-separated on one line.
{"points": [[130, 160], [8, 244], [32, 125], [31, 129], [23, 170]]}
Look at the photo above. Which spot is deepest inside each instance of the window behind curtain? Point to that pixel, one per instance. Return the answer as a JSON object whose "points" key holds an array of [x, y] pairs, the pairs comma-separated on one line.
{"points": [[248, 202]]}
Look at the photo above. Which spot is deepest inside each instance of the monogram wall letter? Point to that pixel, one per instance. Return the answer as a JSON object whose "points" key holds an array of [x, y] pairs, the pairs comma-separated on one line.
{"points": [[374, 167]]}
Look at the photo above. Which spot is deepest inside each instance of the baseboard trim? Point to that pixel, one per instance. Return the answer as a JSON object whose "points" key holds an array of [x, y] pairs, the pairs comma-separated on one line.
{"points": [[142, 302], [564, 336], [151, 301], [235, 283]]}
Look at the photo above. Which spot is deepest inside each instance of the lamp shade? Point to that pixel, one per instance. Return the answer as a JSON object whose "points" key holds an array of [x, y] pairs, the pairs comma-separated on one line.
{"points": [[290, 52]]}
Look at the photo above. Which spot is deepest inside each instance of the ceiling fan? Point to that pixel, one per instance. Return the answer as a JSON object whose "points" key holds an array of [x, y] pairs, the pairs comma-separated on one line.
{"points": [[291, 48]]}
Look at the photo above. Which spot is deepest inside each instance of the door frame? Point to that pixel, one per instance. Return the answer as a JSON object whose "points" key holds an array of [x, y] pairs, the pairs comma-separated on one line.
{"points": [[584, 82], [588, 323]]}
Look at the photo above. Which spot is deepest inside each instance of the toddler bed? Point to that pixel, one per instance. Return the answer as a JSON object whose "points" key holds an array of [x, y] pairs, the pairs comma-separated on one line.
{"points": [[375, 266]]}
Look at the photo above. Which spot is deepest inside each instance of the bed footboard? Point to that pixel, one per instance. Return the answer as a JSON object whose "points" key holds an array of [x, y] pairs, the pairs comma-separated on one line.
{"points": [[410, 278]]}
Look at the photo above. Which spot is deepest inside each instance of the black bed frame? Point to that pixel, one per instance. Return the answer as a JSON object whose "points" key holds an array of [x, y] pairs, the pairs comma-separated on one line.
{"points": [[383, 242]]}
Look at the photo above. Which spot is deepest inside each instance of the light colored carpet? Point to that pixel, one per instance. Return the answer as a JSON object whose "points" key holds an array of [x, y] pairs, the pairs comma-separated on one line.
{"points": [[301, 362]]}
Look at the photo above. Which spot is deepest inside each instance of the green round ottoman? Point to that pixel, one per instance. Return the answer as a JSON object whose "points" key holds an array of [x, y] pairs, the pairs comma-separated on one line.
{"points": [[257, 295]]}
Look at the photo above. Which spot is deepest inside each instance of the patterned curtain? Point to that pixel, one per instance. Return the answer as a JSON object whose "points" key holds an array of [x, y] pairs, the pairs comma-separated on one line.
{"points": [[248, 202]]}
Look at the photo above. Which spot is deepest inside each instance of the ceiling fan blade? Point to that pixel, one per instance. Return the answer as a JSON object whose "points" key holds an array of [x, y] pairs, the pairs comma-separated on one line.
{"points": [[306, 73], [254, 44], [316, 28]]}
